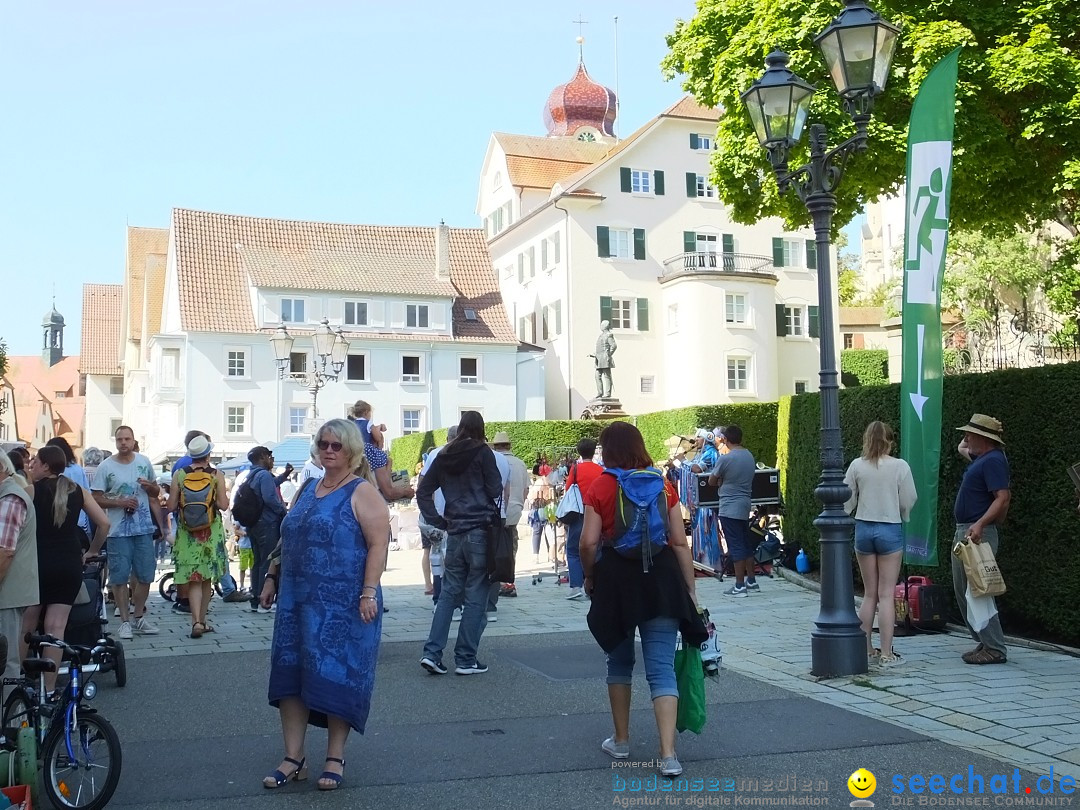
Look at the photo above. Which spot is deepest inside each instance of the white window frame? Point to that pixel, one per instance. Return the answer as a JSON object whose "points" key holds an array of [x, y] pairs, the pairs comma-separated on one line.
{"points": [[413, 379], [804, 383], [731, 310], [246, 407], [173, 381], [630, 312], [647, 385], [419, 411], [641, 182], [497, 181], [307, 362], [705, 142], [794, 253], [475, 379], [367, 368], [416, 310], [849, 340], [705, 191], [112, 387], [748, 388], [292, 309], [795, 321], [356, 302], [246, 352], [621, 243], [306, 410]]}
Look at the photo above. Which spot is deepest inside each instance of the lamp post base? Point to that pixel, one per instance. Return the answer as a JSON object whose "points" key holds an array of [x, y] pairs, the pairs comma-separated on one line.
{"points": [[834, 655]]}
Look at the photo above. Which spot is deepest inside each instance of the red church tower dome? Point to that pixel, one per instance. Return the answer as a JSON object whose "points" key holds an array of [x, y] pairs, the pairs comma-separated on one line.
{"points": [[580, 104]]}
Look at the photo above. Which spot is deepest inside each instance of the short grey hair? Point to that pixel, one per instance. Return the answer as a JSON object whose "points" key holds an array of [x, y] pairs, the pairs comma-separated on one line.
{"points": [[6, 467], [346, 432], [451, 433], [92, 457]]}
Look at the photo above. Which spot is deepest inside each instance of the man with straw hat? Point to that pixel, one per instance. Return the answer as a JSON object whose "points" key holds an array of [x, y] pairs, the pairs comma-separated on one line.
{"points": [[981, 505]]}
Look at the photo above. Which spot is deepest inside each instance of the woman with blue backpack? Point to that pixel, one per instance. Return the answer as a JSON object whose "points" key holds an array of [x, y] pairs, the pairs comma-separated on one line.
{"points": [[640, 575]]}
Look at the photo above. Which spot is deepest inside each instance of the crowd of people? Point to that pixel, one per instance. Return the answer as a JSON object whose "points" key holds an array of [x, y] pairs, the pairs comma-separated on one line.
{"points": [[317, 561]]}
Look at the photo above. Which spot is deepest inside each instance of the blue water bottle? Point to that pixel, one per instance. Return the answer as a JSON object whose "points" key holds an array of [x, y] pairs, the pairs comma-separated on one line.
{"points": [[802, 563]]}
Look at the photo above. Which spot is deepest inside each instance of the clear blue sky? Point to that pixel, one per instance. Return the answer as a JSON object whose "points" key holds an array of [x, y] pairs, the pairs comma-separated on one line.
{"points": [[367, 112]]}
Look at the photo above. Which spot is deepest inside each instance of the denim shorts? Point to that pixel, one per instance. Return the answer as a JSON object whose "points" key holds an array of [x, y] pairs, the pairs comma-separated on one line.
{"points": [[128, 555], [878, 538], [658, 640], [737, 537]]}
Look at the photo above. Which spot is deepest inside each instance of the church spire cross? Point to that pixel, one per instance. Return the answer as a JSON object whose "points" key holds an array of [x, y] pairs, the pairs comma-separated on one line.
{"points": [[579, 22]]}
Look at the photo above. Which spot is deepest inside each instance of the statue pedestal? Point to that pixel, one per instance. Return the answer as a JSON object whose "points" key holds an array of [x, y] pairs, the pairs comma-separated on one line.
{"points": [[603, 408]]}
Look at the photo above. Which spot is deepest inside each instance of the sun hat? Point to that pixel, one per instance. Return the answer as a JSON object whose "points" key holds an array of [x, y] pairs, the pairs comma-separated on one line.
{"points": [[502, 437], [984, 425], [199, 447]]}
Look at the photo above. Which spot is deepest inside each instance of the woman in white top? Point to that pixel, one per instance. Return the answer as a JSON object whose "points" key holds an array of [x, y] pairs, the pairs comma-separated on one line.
{"points": [[882, 494]]}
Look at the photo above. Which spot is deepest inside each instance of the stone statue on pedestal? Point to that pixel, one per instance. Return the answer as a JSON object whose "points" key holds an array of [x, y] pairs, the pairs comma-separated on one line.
{"points": [[604, 358]]}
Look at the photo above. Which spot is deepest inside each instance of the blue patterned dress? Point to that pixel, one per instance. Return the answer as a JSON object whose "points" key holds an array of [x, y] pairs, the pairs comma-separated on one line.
{"points": [[323, 652]]}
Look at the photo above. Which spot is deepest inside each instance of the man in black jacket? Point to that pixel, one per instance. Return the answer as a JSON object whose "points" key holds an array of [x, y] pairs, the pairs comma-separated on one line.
{"points": [[468, 475]]}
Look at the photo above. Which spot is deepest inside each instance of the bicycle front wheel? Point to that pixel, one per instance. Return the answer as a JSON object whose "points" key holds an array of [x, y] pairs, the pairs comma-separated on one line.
{"points": [[86, 776]]}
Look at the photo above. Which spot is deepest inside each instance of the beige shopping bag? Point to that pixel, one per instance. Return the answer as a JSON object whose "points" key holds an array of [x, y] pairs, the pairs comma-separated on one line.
{"points": [[983, 576]]}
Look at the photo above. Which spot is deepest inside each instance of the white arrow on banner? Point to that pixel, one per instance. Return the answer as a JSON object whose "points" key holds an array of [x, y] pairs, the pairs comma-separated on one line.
{"points": [[917, 398]]}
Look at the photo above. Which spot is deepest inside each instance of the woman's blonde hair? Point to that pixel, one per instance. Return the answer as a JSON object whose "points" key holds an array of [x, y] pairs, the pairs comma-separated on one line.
{"points": [[877, 441], [346, 432], [361, 410], [363, 470]]}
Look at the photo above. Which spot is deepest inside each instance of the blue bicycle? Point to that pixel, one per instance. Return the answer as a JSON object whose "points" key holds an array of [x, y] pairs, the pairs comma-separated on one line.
{"points": [[79, 749]]}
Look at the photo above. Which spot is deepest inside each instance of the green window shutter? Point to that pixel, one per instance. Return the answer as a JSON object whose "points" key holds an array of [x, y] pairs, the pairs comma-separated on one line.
{"points": [[691, 185], [811, 254], [605, 308], [814, 329], [729, 243], [558, 317], [544, 254], [777, 251], [558, 248], [781, 321], [658, 182], [521, 268], [544, 322], [624, 177], [689, 242], [694, 144], [643, 314], [603, 244], [639, 243]]}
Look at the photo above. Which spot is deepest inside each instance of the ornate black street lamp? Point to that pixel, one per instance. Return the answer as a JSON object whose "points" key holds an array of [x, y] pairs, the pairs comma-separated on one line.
{"points": [[331, 347], [858, 48]]}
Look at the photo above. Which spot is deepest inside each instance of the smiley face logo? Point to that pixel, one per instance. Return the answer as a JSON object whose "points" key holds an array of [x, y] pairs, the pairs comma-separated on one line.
{"points": [[861, 783]]}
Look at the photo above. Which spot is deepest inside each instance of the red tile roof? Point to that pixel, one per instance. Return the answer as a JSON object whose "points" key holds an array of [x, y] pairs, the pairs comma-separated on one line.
{"points": [[101, 313], [217, 254]]}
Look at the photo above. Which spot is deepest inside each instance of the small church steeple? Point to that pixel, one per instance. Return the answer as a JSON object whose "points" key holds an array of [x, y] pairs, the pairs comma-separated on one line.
{"points": [[52, 344]]}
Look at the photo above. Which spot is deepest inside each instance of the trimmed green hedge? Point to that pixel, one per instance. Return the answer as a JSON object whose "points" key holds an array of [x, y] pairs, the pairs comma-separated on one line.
{"points": [[757, 420], [527, 439], [1039, 554], [864, 367]]}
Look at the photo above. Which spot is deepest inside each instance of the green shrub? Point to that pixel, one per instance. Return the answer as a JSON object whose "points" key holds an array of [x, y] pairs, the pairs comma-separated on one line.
{"points": [[864, 367], [1039, 554], [757, 419]]}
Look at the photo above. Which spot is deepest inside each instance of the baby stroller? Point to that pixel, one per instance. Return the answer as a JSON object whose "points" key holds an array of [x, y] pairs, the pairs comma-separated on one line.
{"points": [[87, 620]]}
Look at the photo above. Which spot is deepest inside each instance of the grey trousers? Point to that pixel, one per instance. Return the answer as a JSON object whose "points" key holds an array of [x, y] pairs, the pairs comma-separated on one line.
{"points": [[990, 636]]}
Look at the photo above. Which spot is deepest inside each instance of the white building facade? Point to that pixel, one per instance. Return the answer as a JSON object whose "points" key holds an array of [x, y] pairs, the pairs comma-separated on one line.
{"points": [[428, 335], [582, 229]]}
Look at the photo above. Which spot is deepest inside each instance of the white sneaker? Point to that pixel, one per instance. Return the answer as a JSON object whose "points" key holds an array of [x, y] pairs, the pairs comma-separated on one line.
{"points": [[457, 615], [262, 609], [576, 593], [144, 627], [492, 616], [125, 630]]}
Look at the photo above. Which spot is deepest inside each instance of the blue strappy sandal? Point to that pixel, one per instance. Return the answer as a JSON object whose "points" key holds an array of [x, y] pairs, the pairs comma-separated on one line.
{"points": [[279, 778], [330, 776]]}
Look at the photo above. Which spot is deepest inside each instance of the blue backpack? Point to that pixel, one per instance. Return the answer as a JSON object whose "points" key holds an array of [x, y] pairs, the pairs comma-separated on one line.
{"points": [[641, 514]]}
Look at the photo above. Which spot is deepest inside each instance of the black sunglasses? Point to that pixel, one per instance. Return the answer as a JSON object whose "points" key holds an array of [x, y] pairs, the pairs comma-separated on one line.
{"points": [[323, 444]]}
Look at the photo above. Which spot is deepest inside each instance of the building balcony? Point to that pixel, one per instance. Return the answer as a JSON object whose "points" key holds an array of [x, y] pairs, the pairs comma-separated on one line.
{"points": [[709, 264]]}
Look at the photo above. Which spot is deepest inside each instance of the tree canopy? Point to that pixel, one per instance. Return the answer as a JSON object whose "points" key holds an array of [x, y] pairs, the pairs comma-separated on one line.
{"points": [[1017, 140]]}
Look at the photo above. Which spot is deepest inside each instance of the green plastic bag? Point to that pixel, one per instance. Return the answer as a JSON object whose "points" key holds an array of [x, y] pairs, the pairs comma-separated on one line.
{"points": [[691, 680]]}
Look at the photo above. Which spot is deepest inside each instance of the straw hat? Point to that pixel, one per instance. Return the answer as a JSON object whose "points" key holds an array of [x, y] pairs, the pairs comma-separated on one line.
{"points": [[502, 437], [986, 426]]}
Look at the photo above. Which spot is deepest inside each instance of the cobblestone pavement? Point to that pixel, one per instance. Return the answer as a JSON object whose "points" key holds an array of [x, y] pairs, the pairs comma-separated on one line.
{"points": [[1026, 712]]}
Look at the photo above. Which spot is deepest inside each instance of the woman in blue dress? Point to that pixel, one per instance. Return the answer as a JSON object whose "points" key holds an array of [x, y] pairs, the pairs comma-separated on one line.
{"points": [[329, 614]]}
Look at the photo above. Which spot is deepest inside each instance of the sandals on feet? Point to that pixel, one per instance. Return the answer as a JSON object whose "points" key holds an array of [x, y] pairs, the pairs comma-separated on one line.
{"points": [[197, 629], [279, 777], [329, 776], [983, 656]]}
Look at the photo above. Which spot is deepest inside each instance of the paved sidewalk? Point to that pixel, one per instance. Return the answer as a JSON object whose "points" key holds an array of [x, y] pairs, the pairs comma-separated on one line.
{"points": [[1026, 712]]}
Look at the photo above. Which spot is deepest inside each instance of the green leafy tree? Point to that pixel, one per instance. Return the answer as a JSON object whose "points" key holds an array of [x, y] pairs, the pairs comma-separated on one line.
{"points": [[847, 266], [1017, 156]]}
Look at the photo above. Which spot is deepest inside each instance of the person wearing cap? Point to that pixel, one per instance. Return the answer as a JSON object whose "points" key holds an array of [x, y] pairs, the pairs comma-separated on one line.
{"points": [[982, 503], [265, 533], [705, 444], [200, 551], [515, 490]]}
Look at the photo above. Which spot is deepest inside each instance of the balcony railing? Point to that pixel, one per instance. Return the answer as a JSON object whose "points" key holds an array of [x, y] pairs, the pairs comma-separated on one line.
{"points": [[708, 262]]}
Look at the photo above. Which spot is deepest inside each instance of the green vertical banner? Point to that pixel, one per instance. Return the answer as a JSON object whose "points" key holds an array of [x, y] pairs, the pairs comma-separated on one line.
{"points": [[929, 182]]}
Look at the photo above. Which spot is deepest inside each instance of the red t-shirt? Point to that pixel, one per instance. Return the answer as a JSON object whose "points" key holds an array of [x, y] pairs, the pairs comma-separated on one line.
{"points": [[583, 474], [601, 497]]}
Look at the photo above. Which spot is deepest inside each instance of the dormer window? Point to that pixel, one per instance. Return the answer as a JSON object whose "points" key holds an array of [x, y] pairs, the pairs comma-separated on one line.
{"points": [[356, 313], [292, 310], [416, 316]]}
